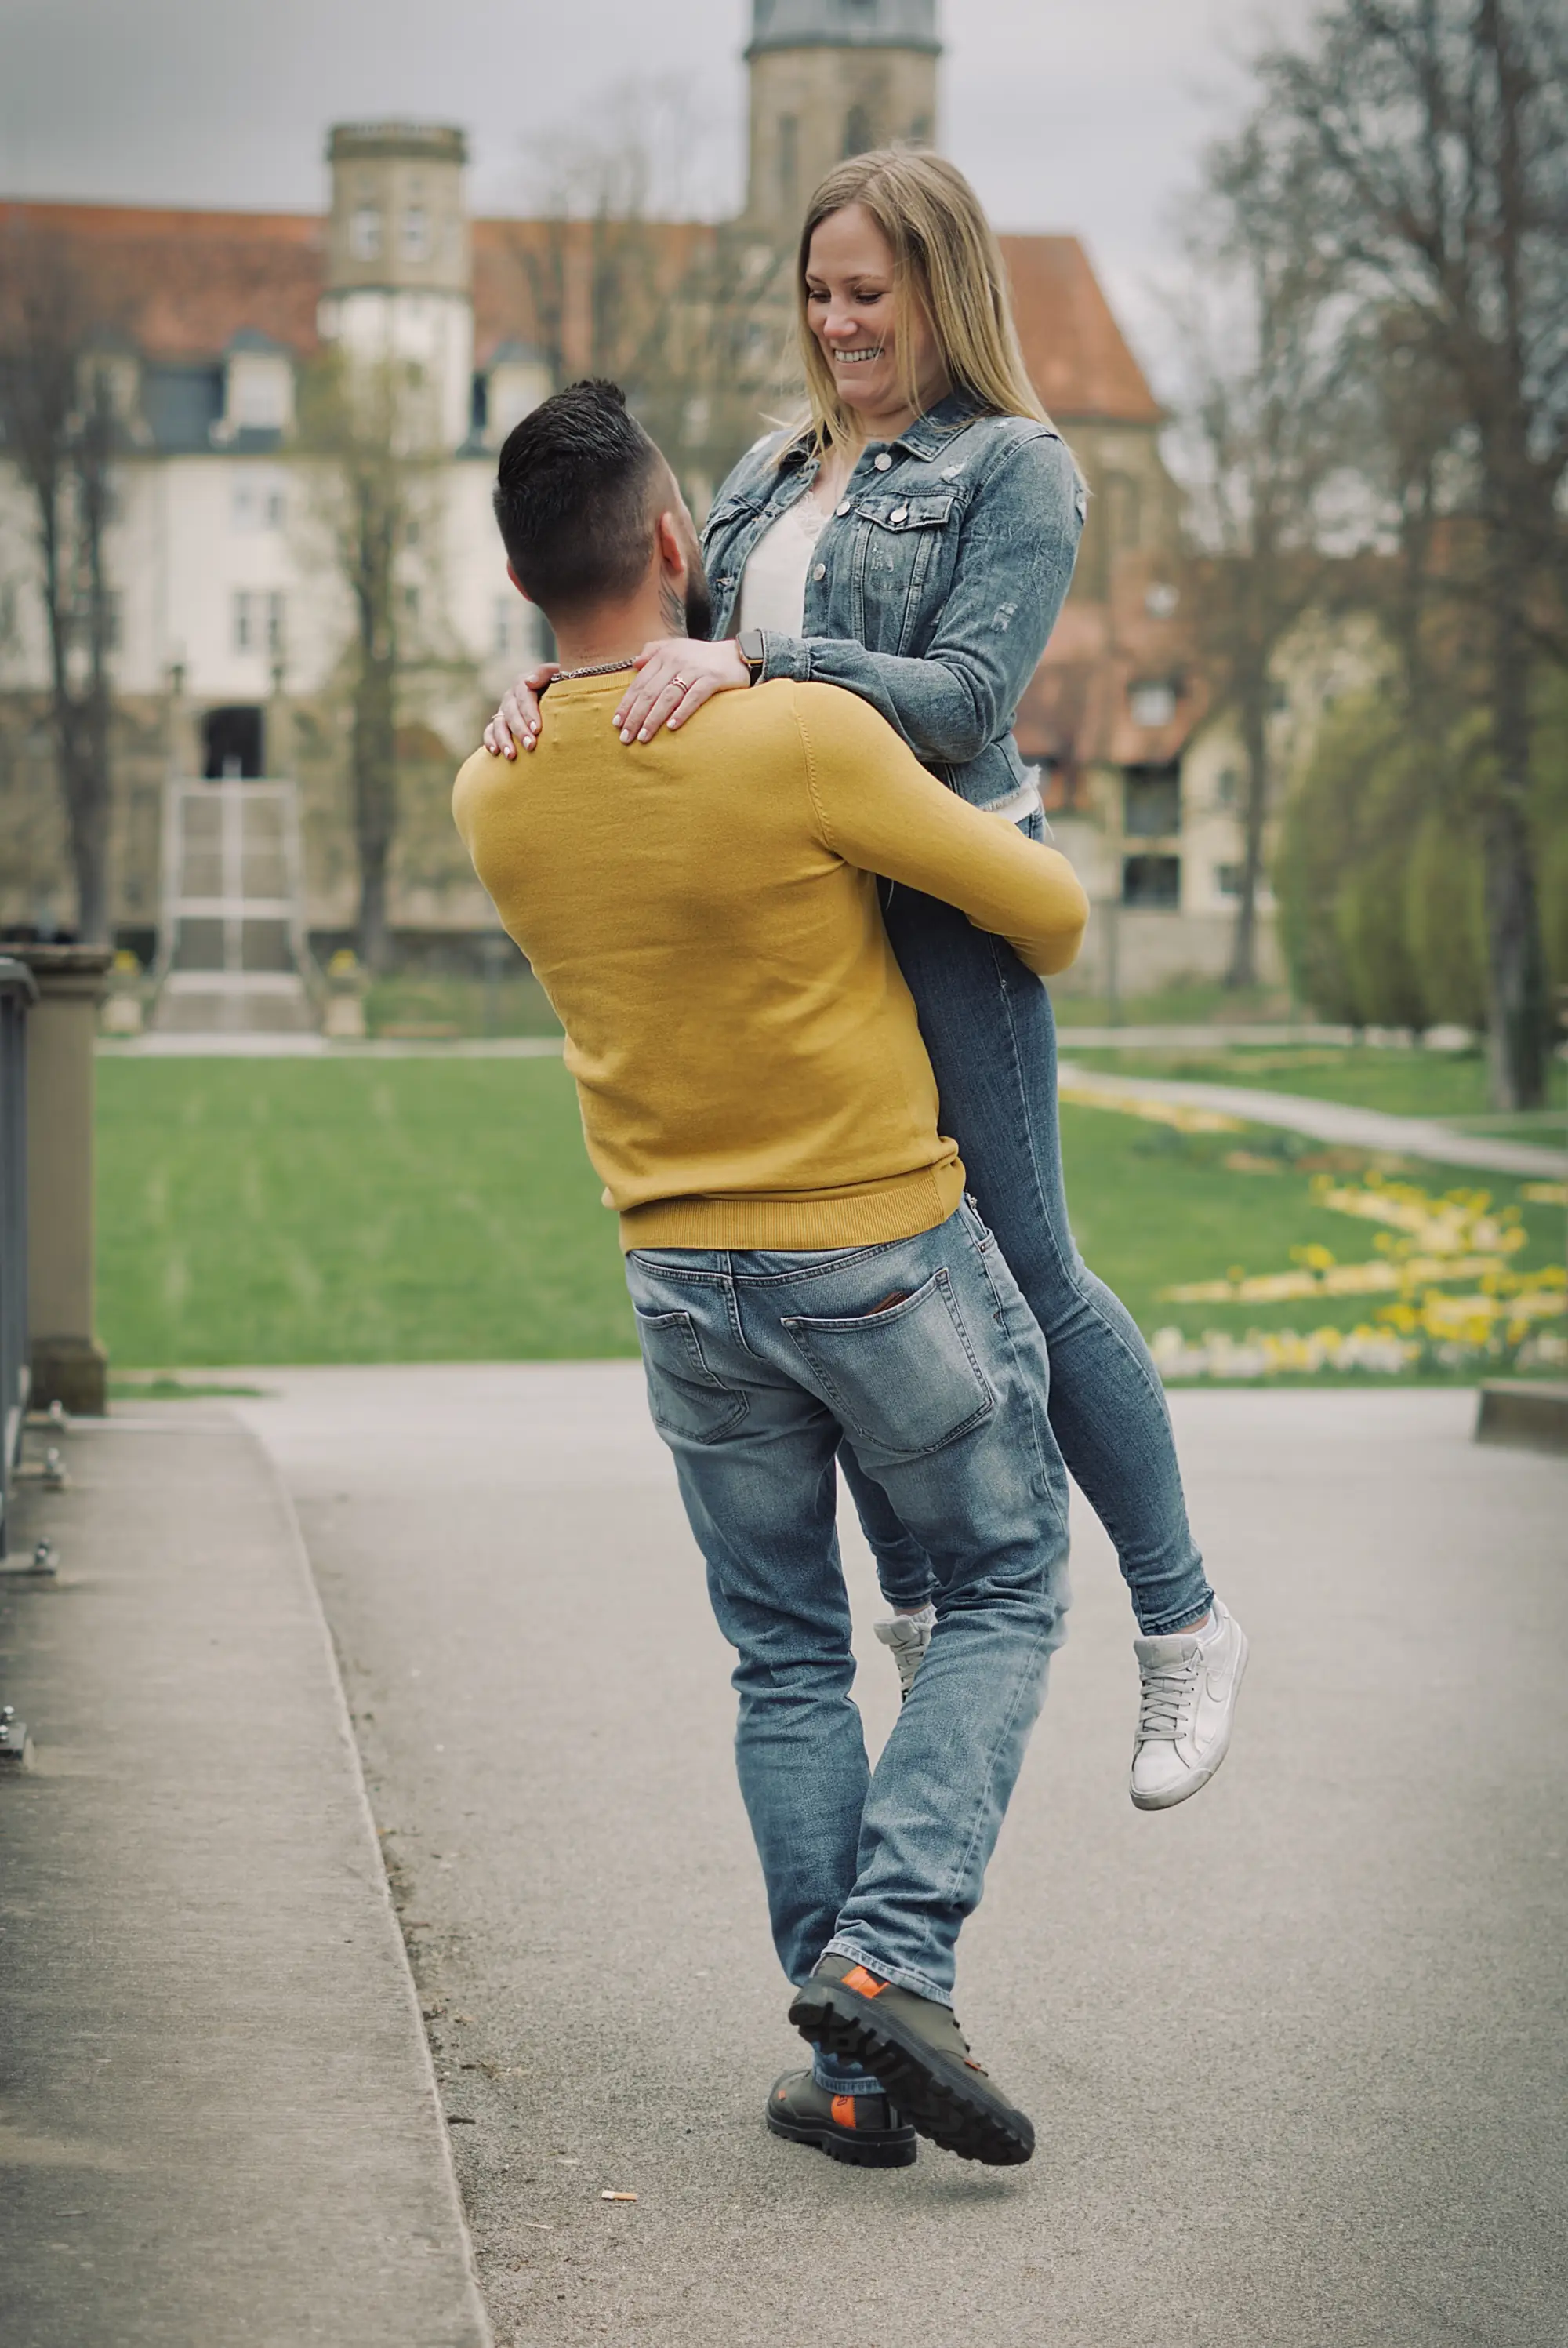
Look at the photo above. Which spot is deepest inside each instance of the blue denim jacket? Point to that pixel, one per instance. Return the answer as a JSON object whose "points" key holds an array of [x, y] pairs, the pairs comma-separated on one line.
{"points": [[936, 582]]}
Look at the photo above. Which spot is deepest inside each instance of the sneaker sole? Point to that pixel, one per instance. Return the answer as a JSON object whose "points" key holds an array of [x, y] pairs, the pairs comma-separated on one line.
{"points": [[935, 2096], [1200, 1778], [867, 2152]]}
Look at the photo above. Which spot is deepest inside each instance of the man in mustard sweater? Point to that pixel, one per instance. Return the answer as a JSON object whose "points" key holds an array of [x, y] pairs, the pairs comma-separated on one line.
{"points": [[804, 1267]]}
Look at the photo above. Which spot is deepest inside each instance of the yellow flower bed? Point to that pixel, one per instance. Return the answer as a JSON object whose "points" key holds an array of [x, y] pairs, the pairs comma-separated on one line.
{"points": [[1429, 1242], [1179, 1114]]}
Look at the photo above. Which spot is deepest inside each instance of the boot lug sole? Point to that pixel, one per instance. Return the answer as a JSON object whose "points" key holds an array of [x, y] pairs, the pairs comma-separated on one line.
{"points": [[935, 2107]]}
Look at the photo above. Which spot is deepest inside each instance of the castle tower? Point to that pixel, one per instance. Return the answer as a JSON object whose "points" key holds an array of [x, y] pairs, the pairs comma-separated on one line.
{"points": [[399, 273], [830, 78]]}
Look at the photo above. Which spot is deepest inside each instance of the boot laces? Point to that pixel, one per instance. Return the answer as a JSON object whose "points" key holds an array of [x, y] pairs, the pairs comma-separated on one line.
{"points": [[1168, 1692]]}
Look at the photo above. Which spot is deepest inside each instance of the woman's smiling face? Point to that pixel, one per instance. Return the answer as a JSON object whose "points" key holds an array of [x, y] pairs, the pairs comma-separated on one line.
{"points": [[852, 309]]}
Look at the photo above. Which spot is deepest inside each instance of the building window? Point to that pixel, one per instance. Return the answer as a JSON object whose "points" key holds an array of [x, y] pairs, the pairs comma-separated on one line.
{"points": [[1227, 880], [1152, 703], [501, 635], [257, 504], [259, 620], [416, 237], [1227, 787], [1125, 514], [82, 618], [1150, 801], [789, 160], [859, 135], [1151, 881], [364, 233]]}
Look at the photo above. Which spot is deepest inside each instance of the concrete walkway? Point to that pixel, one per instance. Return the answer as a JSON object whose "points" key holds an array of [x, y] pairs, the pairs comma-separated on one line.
{"points": [[218, 2122], [1295, 2051], [1337, 1121]]}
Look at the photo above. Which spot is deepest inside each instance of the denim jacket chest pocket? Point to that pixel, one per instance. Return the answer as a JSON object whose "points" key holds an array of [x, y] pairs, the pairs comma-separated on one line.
{"points": [[901, 561]]}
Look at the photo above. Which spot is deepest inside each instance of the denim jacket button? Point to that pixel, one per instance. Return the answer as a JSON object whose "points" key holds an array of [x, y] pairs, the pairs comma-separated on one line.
{"points": [[899, 513], [821, 570], [884, 463], [843, 507]]}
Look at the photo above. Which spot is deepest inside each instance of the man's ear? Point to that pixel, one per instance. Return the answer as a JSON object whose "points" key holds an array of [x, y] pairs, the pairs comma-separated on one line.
{"points": [[671, 545], [519, 584]]}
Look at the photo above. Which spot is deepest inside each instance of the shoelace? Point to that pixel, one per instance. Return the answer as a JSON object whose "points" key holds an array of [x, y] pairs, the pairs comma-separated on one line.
{"points": [[1166, 1695]]}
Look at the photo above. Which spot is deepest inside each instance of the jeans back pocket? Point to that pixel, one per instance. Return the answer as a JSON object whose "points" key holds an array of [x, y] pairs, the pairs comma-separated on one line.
{"points": [[683, 1394], [905, 1380]]}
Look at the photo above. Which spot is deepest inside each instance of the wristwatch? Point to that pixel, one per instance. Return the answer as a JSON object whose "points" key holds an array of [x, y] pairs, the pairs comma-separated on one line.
{"points": [[752, 647]]}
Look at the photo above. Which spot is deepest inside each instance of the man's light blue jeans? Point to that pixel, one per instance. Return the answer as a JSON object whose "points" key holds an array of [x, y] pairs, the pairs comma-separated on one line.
{"points": [[922, 1355]]}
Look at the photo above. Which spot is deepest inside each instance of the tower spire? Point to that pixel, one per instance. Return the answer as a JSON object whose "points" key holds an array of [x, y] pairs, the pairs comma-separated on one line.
{"points": [[831, 79]]}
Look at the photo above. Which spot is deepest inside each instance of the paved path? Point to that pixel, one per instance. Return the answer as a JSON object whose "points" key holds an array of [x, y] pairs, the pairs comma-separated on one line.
{"points": [[217, 2124], [1362, 1129], [1296, 2051]]}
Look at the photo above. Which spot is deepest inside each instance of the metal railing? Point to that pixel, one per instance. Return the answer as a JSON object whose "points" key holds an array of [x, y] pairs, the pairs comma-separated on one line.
{"points": [[18, 993]]}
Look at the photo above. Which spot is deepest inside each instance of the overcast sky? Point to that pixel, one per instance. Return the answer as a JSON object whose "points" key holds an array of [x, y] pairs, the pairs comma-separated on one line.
{"points": [[1086, 115]]}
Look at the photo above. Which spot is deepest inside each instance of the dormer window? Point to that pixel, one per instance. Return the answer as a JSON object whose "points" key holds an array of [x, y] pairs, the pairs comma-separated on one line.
{"points": [[257, 390], [416, 238], [1152, 703], [365, 232]]}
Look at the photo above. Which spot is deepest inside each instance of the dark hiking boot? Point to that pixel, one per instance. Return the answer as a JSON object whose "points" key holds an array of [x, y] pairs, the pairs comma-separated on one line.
{"points": [[864, 2130], [913, 2045]]}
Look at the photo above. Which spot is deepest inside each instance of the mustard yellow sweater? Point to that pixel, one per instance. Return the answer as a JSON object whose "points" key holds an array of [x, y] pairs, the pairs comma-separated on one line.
{"points": [[701, 912]]}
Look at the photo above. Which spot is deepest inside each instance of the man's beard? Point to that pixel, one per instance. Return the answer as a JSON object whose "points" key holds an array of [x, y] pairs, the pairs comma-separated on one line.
{"points": [[699, 605]]}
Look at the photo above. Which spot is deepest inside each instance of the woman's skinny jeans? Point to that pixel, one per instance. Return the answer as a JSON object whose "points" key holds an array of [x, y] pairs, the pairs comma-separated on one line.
{"points": [[990, 1029]]}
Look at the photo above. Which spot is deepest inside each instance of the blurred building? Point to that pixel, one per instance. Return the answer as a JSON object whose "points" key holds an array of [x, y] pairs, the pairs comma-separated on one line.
{"points": [[234, 606]]}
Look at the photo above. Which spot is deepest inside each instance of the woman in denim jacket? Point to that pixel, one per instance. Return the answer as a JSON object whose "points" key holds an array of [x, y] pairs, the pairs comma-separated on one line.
{"points": [[913, 542]]}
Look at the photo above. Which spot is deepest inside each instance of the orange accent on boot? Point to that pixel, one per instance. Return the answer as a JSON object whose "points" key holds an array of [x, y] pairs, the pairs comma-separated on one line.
{"points": [[863, 1984], [843, 2110]]}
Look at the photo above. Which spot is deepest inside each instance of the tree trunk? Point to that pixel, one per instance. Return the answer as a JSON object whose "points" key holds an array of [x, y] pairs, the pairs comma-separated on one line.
{"points": [[1243, 970], [374, 751], [1518, 1026], [84, 774]]}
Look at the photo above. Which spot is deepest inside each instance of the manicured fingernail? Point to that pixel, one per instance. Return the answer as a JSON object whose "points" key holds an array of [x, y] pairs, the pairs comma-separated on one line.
{"points": [[625, 736], [644, 736]]}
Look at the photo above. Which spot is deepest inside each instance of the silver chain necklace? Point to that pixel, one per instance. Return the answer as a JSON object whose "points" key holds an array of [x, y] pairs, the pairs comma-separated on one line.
{"points": [[600, 668]]}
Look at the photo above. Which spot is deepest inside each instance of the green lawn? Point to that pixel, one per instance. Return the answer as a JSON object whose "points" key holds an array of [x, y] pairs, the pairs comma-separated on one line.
{"points": [[309, 1210], [1406, 1083], [511, 1005], [433, 1210]]}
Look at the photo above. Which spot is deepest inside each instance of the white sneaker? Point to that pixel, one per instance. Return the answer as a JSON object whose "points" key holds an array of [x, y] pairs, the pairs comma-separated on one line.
{"points": [[1186, 1712], [908, 1636]]}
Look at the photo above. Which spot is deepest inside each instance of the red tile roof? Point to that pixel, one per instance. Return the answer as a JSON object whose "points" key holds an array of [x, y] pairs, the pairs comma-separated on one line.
{"points": [[181, 284], [1072, 346]]}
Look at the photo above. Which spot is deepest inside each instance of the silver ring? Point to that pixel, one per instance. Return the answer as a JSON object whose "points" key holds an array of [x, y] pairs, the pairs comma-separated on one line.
{"points": [[684, 682]]}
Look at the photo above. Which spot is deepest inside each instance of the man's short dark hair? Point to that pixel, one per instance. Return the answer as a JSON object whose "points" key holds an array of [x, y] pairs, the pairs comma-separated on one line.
{"points": [[575, 499]]}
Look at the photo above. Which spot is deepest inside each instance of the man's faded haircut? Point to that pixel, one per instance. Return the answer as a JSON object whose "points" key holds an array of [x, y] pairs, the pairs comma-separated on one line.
{"points": [[577, 494]]}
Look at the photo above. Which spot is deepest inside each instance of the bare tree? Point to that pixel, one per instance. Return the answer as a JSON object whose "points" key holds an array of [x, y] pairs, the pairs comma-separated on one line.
{"points": [[57, 420], [1263, 435], [685, 313], [365, 423], [1429, 141]]}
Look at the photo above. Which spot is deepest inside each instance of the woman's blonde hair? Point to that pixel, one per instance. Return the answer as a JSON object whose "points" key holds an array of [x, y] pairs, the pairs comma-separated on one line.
{"points": [[946, 262]]}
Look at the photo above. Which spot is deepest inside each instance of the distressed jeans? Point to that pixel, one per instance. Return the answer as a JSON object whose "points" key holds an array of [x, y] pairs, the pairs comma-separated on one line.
{"points": [[990, 1029], [921, 1356]]}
